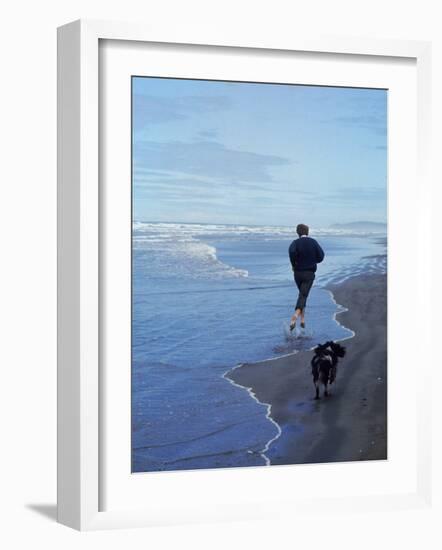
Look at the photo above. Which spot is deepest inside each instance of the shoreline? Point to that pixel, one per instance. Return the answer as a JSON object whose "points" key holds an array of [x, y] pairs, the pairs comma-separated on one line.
{"points": [[263, 451], [349, 425]]}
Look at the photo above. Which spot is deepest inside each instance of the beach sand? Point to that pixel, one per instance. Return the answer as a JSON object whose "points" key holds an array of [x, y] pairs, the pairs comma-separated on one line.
{"points": [[350, 424]]}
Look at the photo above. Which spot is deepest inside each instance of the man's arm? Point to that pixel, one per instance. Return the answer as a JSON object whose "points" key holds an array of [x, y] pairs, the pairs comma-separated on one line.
{"points": [[319, 253], [293, 254]]}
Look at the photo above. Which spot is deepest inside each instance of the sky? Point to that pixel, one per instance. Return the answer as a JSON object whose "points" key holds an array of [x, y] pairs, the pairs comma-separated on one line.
{"points": [[254, 153]]}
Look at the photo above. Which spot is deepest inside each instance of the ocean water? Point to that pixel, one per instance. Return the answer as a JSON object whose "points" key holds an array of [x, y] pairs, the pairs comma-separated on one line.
{"points": [[204, 299]]}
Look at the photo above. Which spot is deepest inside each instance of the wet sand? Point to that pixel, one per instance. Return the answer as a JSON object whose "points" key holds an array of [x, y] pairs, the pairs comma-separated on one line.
{"points": [[350, 424]]}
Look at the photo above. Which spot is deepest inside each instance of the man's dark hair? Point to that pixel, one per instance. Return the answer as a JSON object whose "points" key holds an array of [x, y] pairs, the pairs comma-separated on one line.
{"points": [[302, 229]]}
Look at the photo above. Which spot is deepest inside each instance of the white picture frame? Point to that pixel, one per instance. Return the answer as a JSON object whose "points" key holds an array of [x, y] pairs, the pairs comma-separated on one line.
{"points": [[79, 265]]}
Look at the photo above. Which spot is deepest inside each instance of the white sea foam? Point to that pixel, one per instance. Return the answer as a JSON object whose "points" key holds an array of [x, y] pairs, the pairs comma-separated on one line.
{"points": [[176, 249], [268, 231], [375, 264], [266, 447]]}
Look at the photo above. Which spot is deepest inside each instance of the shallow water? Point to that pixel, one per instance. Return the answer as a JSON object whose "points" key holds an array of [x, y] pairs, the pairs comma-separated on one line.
{"points": [[206, 298]]}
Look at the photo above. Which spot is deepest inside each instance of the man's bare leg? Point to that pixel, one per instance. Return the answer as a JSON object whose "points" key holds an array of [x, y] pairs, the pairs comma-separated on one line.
{"points": [[303, 318], [294, 317]]}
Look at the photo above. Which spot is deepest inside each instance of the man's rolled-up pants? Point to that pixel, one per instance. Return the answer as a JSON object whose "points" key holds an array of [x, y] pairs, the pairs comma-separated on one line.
{"points": [[304, 281]]}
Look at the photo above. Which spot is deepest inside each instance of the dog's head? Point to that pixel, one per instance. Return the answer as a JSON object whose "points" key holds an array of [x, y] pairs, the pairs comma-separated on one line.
{"points": [[322, 349]]}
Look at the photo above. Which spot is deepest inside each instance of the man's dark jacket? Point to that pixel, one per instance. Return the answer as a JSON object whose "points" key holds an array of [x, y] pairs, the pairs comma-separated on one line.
{"points": [[305, 253]]}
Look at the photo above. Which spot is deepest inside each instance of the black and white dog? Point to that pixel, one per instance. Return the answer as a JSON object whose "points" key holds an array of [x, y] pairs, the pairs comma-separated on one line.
{"points": [[324, 363]]}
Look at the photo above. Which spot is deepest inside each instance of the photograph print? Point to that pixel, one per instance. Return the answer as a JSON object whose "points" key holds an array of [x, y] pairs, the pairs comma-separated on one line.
{"points": [[259, 274]]}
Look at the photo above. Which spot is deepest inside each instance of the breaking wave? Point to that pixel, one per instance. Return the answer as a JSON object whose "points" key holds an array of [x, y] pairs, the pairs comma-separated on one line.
{"points": [[242, 231], [176, 249]]}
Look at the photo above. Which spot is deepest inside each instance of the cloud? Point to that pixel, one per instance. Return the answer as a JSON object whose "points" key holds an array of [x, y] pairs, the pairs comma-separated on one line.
{"points": [[208, 134], [374, 122], [182, 181], [150, 109], [356, 194], [206, 159], [164, 180], [166, 191]]}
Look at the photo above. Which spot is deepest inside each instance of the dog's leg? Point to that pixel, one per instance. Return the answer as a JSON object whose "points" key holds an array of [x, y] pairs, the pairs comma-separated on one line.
{"points": [[317, 390], [326, 390], [326, 387]]}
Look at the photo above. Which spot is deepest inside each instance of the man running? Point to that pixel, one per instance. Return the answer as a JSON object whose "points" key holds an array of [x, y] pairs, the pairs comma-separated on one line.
{"points": [[304, 254]]}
